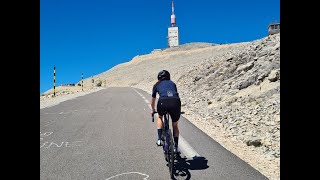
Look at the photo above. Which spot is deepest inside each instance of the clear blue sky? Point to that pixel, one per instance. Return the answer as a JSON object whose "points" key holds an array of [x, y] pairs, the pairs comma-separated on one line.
{"points": [[92, 36]]}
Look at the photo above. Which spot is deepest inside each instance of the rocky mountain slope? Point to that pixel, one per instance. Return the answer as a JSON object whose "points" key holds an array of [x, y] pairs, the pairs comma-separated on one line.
{"points": [[230, 91]]}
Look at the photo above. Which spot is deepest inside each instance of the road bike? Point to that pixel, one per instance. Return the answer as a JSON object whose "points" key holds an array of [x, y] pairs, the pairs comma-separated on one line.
{"points": [[168, 142]]}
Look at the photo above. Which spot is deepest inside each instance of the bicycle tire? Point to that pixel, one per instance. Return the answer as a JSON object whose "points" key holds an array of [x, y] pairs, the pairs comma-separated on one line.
{"points": [[165, 145], [170, 148], [168, 145], [171, 155]]}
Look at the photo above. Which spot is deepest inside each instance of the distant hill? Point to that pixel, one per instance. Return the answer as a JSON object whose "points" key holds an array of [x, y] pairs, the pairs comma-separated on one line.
{"points": [[230, 91]]}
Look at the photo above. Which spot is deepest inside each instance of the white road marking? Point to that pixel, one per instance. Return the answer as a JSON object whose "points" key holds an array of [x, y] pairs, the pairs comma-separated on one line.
{"points": [[43, 144], [145, 100], [46, 133], [186, 149], [60, 144], [130, 173], [49, 123]]}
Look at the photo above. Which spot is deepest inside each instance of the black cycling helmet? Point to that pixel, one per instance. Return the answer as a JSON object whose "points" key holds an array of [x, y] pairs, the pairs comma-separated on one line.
{"points": [[164, 75]]}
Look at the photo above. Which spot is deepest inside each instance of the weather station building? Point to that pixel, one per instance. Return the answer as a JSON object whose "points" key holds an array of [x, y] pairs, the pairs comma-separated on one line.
{"points": [[273, 28], [173, 31]]}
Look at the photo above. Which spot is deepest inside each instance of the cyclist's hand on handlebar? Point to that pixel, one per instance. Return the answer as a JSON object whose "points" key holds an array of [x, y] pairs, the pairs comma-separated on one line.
{"points": [[152, 112]]}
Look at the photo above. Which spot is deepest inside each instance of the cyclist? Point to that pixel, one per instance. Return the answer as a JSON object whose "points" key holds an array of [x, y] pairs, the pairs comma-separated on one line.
{"points": [[169, 101]]}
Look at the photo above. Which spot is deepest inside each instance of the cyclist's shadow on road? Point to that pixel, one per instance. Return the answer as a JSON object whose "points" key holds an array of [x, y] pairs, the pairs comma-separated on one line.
{"points": [[183, 165]]}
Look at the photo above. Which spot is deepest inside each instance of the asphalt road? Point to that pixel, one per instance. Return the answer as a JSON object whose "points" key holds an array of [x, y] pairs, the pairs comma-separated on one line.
{"points": [[109, 135]]}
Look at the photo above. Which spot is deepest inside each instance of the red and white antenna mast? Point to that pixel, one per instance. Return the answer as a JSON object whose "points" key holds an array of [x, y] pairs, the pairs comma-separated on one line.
{"points": [[173, 31], [173, 17]]}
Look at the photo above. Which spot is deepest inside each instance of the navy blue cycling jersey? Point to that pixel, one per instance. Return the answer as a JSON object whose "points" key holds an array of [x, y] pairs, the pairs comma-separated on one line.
{"points": [[166, 89]]}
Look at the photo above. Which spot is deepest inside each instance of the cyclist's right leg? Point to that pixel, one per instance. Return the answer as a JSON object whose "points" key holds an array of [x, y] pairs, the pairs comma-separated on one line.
{"points": [[175, 135], [159, 129], [160, 110], [175, 128], [175, 115]]}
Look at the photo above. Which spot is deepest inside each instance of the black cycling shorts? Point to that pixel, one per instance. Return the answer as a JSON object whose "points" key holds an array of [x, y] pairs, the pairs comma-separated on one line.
{"points": [[171, 105]]}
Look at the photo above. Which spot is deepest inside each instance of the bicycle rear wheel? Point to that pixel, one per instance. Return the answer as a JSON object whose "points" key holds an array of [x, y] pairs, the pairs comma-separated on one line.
{"points": [[170, 155]]}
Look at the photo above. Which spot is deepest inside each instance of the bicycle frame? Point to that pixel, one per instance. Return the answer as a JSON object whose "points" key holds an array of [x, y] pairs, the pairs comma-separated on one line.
{"points": [[167, 136], [165, 129]]}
